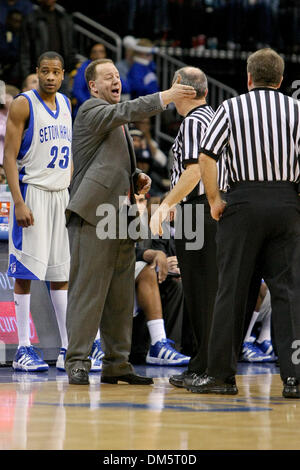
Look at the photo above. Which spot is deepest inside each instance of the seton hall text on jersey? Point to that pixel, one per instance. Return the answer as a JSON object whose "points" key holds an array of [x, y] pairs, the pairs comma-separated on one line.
{"points": [[55, 132]]}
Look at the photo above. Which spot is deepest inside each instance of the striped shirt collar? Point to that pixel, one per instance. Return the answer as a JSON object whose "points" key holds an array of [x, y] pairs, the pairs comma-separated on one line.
{"points": [[264, 88], [194, 109]]}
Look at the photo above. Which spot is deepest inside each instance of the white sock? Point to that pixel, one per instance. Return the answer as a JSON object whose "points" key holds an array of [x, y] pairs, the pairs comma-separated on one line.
{"points": [[265, 332], [98, 335], [251, 325], [59, 300], [156, 330], [22, 309]]}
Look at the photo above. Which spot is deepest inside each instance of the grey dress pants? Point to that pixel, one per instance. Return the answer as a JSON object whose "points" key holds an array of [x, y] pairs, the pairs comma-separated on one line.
{"points": [[101, 294]]}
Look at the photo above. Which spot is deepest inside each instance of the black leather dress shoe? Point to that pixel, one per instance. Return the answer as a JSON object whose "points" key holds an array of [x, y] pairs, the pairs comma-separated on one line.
{"points": [[207, 384], [178, 379], [132, 379], [78, 377], [291, 388]]}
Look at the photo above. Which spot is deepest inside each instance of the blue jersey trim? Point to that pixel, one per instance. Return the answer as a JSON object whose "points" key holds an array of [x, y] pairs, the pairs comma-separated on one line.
{"points": [[17, 231], [54, 115], [18, 270], [68, 102], [22, 173], [27, 138]]}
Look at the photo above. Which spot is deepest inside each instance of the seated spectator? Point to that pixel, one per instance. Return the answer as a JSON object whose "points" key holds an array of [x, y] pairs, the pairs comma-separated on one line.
{"points": [[159, 299], [151, 272], [10, 38], [260, 349], [30, 83], [171, 291], [148, 299], [142, 153], [145, 162], [6, 6], [142, 77], [80, 89], [125, 65], [10, 93], [159, 157]]}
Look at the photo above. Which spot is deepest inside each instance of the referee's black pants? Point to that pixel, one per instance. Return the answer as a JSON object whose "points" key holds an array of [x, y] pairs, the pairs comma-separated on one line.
{"points": [[199, 275], [260, 226]]}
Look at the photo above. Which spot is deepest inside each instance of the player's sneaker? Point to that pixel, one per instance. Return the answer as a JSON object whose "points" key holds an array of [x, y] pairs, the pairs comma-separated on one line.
{"points": [[96, 365], [267, 348], [97, 352], [162, 353], [252, 353], [60, 363], [27, 359]]}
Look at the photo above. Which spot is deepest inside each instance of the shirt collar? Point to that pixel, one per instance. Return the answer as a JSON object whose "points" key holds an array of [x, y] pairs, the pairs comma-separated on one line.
{"points": [[264, 88], [197, 107]]}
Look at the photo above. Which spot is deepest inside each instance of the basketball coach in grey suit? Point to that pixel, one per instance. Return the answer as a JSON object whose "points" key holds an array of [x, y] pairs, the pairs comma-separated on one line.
{"points": [[101, 285]]}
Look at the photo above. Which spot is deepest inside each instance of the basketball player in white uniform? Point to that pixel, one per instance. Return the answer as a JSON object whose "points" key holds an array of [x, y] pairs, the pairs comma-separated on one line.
{"points": [[38, 168]]}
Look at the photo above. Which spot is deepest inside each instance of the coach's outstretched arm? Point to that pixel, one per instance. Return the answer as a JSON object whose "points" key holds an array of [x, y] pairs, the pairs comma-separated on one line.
{"points": [[17, 117], [102, 117]]}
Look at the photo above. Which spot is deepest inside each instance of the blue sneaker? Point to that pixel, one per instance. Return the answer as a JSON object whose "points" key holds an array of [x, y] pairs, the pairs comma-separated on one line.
{"points": [[96, 356], [97, 352], [252, 353], [27, 359], [163, 354], [96, 365], [267, 348]]}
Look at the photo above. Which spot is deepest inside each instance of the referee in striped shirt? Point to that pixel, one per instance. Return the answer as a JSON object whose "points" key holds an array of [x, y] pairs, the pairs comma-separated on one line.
{"points": [[260, 221], [198, 267]]}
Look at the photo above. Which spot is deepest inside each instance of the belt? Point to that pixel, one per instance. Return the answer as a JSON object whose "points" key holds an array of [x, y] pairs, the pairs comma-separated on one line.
{"points": [[262, 184]]}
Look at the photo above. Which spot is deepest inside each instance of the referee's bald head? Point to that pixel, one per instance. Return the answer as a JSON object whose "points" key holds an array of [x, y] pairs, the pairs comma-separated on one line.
{"points": [[194, 77], [266, 67]]}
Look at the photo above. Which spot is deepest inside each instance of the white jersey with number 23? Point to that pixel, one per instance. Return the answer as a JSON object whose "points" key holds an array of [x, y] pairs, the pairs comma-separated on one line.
{"points": [[44, 159]]}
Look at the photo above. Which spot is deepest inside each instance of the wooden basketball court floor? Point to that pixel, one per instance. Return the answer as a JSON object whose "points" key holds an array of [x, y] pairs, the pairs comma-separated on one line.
{"points": [[43, 412]]}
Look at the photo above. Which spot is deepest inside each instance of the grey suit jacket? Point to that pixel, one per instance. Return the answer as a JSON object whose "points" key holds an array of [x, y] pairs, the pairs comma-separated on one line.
{"points": [[103, 153]]}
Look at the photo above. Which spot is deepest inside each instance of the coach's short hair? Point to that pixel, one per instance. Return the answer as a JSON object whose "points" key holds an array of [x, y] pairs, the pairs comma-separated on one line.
{"points": [[90, 72], [266, 67], [194, 77], [52, 55]]}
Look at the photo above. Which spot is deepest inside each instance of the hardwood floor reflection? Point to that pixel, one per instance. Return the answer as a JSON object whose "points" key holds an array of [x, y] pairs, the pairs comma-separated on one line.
{"points": [[38, 413]]}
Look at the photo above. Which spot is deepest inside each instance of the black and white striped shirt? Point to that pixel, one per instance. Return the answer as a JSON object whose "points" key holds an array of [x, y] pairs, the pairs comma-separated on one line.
{"points": [[186, 147], [260, 132]]}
